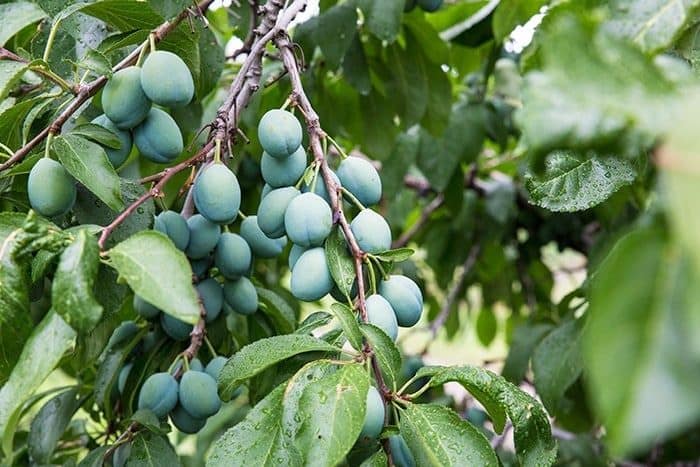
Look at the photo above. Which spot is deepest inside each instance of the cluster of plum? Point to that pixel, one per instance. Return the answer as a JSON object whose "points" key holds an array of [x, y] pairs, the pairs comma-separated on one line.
{"points": [[127, 102]]}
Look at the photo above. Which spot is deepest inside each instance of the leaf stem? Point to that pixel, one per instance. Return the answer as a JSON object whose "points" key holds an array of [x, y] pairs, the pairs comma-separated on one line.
{"points": [[47, 149], [49, 41], [337, 146], [352, 198]]}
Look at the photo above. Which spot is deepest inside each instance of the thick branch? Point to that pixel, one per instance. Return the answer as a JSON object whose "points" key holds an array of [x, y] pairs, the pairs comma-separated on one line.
{"points": [[86, 91]]}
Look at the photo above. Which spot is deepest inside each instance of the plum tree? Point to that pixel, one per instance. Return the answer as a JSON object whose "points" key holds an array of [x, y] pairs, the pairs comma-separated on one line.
{"points": [[212, 296], [233, 256], [241, 296], [405, 298], [185, 422], [174, 226], [371, 231], [360, 178], [271, 212], [261, 245], [400, 453], [217, 194], [283, 172], [204, 236], [311, 278], [166, 80], [198, 394], [294, 253], [159, 394], [173, 327], [279, 133], [374, 415], [50, 188], [116, 156], [123, 99], [380, 313], [145, 309], [308, 220], [158, 137], [214, 366]]}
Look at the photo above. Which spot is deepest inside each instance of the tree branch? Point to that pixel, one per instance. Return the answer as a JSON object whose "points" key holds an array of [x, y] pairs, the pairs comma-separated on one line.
{"points": [[86, 91], [420, 223]]}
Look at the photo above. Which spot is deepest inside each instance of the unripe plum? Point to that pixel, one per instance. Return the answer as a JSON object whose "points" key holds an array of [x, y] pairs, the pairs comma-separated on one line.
{"points": [[50, 188], [159, 394], [380, 313], [123, 99], [405, 298], [176, 329], [308, 220], [214, 367], [320, 187], [233, 256], [311, 278], [204, 236], [217, 194], [174, 226], [279, 133], [294, 253], [272, 208], [371, 231], [198, 394], [185, 422], [145, 309], [241, 296], [430, 5], [360, 178], [374, 415], [283, 172], [123, 375], [196, 365], [116, 156], [400, 453], [166, 80], [200, 267], [158, 137], [212, 296], [261, 245]]}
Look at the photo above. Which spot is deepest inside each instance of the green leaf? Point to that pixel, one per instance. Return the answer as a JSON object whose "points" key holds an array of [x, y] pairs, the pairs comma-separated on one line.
{"points": [[97, 134], [125, 15], [256, 357], [525, 338], [576, 182], [258, 439], [557, 363], [42, 352], [378, 459], [16, 16], [486, 326], [11, 120], [149, 421], [348, 320], [409, 80], [10, 74], [158, 272], [397, 255], [335, 32], [533, 436], [95, 458], [313, 321], [169, 8], [49, 424], [653, 25], [512, 13], [340, 262], [88, 163], [437, 436], [278, 310], [383, 19], [15, 321], [355, 67], [386, 352], [329, 413], [72, 289], [643, 309], [211, 58], [152, 450]]}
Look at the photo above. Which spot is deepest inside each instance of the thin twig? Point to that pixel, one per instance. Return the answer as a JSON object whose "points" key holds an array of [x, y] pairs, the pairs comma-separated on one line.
{"points": [[455, 290], [420, 223]]}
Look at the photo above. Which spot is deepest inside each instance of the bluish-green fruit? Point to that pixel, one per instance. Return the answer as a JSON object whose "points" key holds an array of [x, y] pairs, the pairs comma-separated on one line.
{"points": [[125, 331], [50, 188], [123, 99], [283, 172], [198, 394], [430, 5], [166, 80], [196, 365], [409, 5], [272, 208], [173, 327], [233, 256], [200, 267], [149, 342], [320, 187], [174, 226], [145, 309], [400, 453], [294, 253], [371, 231], [204, 236], [116, 156], [123, 375], [212, 296], [241, 296], [266, 189], [185, 422], [159, 394], [360, 178], [308, 220], [374, 415], [311, 278], [279, 133], [217, 194], [405, 298], [380, 313], [158, 137], [476, 417], [214, 367], [261, 245]]}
